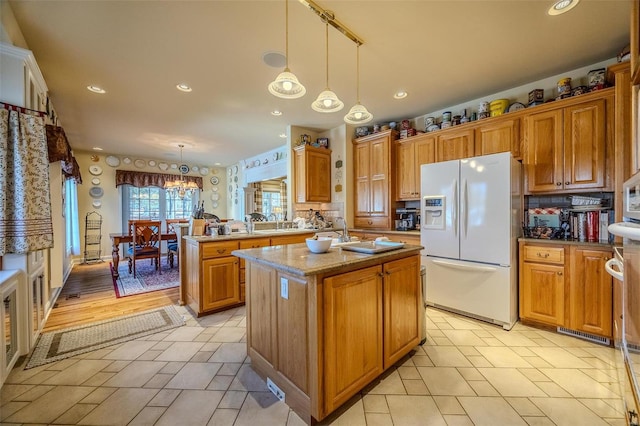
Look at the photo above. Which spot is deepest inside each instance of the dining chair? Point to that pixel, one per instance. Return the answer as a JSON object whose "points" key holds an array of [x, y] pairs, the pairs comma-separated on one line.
{"points": [[146, 243], [172, 245]]}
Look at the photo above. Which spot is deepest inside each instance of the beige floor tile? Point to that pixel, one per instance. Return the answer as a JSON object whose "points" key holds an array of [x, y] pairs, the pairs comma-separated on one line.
{"points": [[172, 367], [130, 350], [468, 350], [135, 374], [201, 356], [229, 335], [441, 341], [223, 417], [116, 366], [541, 341], [534, 375], [148, 416], [522, 351], [432, 333], [41, 377], [560, 358], [220, 383], [230, 352], [264, 406], [445, 381], [553, 390], [62, 364], [408, 373], [605, 354], [196, 405], [449, 405], [511, 382], [422, 361], [120, 407], [470, 373], [503, 357], [229, 369], [161, 346], [616, 422], [247, 380], [490, 411], [479, 361], [98, 379], [524, 407], [598, 363], [455, 420], [19, 376], [513, 339], [210, 346], [158, 381], [375, 404], [578, 384], [460, 323], [180, 351], [463, 337], [415, 387], [75, 414], [49, 406], [98, 395], [389, 384], [31, 394], [483, 333], [164, 398], [233, 399], [538, 362], [184, 334], [538, 421], [9, 392], [149, 355], [567, 412], [403, 410], [483, 388], [194, 375], [11, 407], [492, 341], [77, 373], [444, 326], [601, 408], [447, 356], [378, 419], [603, 376]]}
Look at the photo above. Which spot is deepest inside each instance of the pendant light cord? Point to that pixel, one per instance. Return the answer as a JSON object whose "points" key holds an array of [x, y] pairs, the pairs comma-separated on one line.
{"points": [[326, 32], [358, 72], [286, 34]]}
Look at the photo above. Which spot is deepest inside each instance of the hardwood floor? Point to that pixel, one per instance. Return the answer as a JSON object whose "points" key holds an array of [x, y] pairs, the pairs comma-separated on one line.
{"points": [[88, 296]]}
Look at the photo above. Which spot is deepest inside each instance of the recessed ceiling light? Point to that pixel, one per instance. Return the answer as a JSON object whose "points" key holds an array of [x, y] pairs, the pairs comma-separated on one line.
{"points": [[96, 89], [562, 6], [97, 148], [274, 59], [184, 87], [276, 112], [400, 94], [217, 164], [283, 135]]}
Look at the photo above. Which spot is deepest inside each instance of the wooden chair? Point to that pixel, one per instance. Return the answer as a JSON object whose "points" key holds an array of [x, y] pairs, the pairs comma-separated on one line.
{"points": [[172, 245], [146, 242]]}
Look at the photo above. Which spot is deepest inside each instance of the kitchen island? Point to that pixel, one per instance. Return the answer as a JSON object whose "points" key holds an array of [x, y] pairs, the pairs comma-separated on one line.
{"points": [[320, 327]]}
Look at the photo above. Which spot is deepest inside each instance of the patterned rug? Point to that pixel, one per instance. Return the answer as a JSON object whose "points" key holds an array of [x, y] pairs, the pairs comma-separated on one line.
{"points": [[68, 342], [147, 278]]}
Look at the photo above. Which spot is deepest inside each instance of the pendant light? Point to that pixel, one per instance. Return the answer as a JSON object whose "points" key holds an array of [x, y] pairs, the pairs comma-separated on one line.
{"points": [[286, 85], [180, 187], [358, 114], [327, 100]]}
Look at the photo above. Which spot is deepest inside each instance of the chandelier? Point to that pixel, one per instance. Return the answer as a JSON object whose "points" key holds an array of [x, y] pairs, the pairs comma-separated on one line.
{"points": [[180, 187]]}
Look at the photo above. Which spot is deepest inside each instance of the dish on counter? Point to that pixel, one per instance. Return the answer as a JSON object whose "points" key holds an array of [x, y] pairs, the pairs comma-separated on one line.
{"points": [[112, 161]]}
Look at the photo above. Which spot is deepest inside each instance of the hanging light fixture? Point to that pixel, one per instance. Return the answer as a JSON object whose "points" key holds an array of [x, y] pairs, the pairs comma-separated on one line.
{"points": [[327, 100], [358, 114], [286, 85], [180, 186]]}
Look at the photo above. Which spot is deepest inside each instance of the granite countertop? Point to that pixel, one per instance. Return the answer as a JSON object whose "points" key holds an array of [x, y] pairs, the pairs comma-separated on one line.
{"points": [[566, 242], [299, 260], [256, 234], [375, 231]]}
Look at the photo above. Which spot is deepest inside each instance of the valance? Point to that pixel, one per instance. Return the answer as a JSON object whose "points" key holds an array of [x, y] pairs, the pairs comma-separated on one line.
{"points": [[59, 150], [142, 179]]}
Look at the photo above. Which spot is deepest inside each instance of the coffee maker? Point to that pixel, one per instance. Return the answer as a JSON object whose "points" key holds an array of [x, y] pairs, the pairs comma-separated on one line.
{"points": [[406, 219]]}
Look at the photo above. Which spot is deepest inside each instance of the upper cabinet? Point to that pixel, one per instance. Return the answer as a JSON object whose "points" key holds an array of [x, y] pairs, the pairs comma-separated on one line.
{"points": [[22, 83], [312, 172], [499, 136], [455, 144], [566, 147], [374, 183], [410, 155]]}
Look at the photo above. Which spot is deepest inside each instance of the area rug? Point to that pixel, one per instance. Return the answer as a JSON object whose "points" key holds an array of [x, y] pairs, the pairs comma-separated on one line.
{"points": [[147, 278], [60, 344]]}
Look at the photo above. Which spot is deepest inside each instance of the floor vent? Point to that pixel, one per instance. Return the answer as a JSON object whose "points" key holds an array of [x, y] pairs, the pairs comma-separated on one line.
{"points": [[585, 336], [73, 296]]}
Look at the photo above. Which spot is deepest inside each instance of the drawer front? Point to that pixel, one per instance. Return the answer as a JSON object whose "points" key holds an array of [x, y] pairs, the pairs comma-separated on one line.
{"points": [[542, 254], [221, 249], [255, 243], [372, 222]]}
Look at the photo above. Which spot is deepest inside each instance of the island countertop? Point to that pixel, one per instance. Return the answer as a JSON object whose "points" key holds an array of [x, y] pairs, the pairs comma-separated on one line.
{"points": [[297, 259], [255, 234]]}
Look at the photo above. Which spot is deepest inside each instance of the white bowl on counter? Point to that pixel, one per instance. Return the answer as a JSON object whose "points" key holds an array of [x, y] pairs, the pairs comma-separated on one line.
{"points": [[319, 244]]}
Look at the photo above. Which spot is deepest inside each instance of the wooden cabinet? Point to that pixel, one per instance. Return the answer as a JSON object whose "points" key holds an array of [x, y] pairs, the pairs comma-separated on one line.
{"points": [[567, 286], [374, 183], [290, 239], [312, 174], [410, 155], [455, 144], [245, 244], [566, 147], [499, 136]]}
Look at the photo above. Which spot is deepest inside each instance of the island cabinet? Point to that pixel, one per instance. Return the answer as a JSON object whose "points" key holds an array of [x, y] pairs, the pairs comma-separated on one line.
{"points": [[250, 243], [565, 285], [321, 327], [410, 155], [499, 136], [373, 156], [312, 174], [567, 147]]}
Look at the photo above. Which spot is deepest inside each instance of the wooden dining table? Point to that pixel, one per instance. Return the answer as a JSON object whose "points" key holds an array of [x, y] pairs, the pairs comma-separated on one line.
{"points": [[119, 238]]}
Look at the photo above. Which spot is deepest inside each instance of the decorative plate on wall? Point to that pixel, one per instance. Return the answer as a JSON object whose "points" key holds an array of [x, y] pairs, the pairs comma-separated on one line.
{"points": [[139, 163], [95, 170], [195, 168], [174, 166], [95, 181], [214, 189], [112, 161], [184, 168], [204, 171], [215, 196], [126, 160], [151, 163], [96, 203], [214, 180], [214, 204], [163, 166], [96, 192]]}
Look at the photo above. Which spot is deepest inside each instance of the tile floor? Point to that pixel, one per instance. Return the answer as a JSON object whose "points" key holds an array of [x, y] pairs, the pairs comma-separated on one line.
{"points": [[468, 373]]}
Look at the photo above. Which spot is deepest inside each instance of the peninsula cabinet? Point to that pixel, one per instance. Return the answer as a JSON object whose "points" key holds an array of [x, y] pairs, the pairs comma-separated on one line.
{"points": [[499, 136], [312, 174], [455, 144], [565, 285], [410, 155], [244, 244], [373, 156], [566, 147]]}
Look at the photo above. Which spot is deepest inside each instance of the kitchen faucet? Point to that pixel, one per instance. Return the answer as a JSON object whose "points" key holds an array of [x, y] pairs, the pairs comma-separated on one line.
{"points": [[344, 238], [275, 218]]}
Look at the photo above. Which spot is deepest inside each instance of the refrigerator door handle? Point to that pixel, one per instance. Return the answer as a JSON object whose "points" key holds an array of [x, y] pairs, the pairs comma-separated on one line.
{"points": [[455, 208], [469, 268], [464, 211]]}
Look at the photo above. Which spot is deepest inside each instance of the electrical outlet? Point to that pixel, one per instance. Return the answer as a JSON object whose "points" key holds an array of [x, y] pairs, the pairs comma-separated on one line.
{"points": [[275, 390], [284, 288]]}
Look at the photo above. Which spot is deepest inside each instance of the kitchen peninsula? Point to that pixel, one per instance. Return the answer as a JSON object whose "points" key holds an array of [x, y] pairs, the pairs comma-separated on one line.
{"points": [[320, 327]]}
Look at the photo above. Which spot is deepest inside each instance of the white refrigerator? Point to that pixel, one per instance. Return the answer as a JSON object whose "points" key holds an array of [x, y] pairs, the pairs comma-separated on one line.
{"points": [[471, 219]]}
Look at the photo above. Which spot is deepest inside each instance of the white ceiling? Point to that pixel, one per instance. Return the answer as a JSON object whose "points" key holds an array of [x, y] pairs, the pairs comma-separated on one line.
{"points": [[441, 52]]}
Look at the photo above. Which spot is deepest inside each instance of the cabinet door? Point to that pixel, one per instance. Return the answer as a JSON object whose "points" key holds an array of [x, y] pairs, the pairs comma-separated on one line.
{"points": [[352, 333], [542, 293], [362, 178], [499, 136], [544, 153], [405, 171], [261, 313], [220, 283], [318, 178], [380, 168], [590, 292], [299, 175], [584, 145], [455, 145], [401, 308]]}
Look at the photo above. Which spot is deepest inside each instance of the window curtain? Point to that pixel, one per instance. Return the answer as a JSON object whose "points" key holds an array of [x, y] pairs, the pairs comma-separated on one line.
{"points": [[25, 204], [283, 198], [144, 179], [73, 221], [258, 197]]}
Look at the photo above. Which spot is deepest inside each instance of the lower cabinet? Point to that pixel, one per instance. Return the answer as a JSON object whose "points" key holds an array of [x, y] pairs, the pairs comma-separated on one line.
{"points": [[245, 244], [565, 285], [219, 283]]}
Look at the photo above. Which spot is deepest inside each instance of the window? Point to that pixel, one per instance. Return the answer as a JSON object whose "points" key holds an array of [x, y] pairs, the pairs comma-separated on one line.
{"points": [[70, 210], [153, 203], [271, 203]]}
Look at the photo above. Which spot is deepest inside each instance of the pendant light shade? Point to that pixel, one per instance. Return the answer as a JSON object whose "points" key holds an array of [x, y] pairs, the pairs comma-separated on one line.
{"points": [[327, 100], [358, 114], [286, 85]]}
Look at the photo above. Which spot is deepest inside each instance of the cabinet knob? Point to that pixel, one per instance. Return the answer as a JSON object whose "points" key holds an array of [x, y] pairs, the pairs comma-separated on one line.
{"points": [[559, 273], [545, 255], [220, 251], [567, 183], [558, 183]]}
